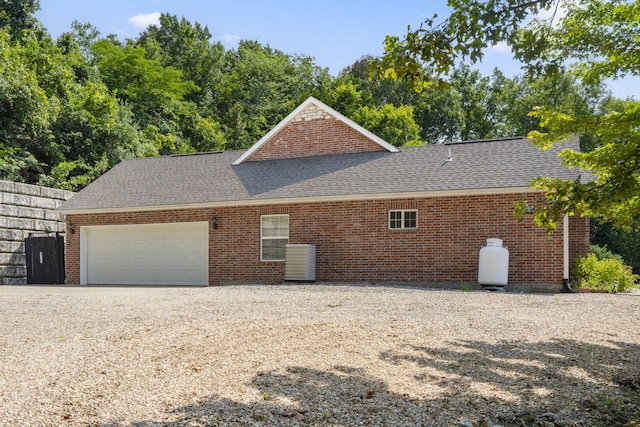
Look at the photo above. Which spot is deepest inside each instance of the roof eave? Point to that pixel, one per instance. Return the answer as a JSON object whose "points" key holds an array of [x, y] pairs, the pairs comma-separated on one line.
{"points": [[298, 200]]}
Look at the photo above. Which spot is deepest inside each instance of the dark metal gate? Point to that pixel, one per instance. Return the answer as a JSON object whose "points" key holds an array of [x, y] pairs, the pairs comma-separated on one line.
{"points": [[45, 259]]}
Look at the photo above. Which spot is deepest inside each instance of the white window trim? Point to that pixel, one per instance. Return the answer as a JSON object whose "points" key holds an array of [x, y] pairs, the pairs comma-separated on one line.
{"points": [[402, 227], [263, 238]]}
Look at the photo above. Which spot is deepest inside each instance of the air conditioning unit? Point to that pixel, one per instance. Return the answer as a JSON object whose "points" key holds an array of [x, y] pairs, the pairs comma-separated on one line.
{"points": [[300, 263]]}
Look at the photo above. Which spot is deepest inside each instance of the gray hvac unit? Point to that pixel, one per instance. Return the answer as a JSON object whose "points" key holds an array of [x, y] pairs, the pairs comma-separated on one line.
{"points": [[300, 263]]}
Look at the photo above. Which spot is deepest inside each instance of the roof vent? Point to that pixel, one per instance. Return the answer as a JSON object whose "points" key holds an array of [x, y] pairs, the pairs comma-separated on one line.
{"points": [[448, 159]]}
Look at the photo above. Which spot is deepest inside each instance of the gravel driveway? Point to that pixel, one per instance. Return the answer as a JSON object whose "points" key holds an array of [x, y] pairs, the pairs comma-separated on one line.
{"points": [[307, 355]]}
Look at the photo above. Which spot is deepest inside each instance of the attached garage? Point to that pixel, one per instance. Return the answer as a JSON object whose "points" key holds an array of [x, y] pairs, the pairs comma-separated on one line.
{"points": [[148, 254]]}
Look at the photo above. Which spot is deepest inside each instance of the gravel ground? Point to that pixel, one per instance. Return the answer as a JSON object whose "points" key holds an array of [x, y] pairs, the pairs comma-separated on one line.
{"points": [[325, 355]]}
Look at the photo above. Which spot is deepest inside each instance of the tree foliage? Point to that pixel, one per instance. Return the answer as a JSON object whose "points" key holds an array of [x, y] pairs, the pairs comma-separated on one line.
{"points": [[52, 114], [17, 16], [155, 94], [259, 87], [185, 46], [593, 40], [393, 124], [625, 244]]}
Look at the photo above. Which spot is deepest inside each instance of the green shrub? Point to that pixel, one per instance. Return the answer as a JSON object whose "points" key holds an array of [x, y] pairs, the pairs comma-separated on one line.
{"points": [[606, 274], [603, 252]]}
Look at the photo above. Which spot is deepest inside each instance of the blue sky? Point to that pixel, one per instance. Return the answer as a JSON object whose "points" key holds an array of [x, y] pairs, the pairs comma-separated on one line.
{"points": [[336, 33]]}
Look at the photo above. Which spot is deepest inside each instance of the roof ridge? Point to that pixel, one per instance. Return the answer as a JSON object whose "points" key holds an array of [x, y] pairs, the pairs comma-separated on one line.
{"points": [[199, 153], [475, 141]]}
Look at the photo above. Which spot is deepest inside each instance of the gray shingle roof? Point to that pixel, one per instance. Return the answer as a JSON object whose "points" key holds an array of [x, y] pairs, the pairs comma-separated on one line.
{"points": [[211, 178]]}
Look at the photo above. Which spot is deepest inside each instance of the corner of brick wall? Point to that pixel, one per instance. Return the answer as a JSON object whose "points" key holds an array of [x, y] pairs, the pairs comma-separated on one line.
{"points": [[579, 238]]}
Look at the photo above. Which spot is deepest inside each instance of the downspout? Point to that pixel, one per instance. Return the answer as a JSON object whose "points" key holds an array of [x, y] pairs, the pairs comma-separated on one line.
{"points": [[565, 253]]}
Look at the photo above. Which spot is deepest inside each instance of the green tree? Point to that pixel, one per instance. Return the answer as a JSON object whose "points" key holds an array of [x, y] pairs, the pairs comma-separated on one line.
{"points": [[393, 124], [380, 90], [18, 16], [561, 91], [54, 118], [439, 115], [79, 40], [187, 47], [259, 87], [26, 107], [155, 94], [480, 103], [93, 132], [593, 40], [345, 97], [351, 95], [144, 83], [626, 244]]}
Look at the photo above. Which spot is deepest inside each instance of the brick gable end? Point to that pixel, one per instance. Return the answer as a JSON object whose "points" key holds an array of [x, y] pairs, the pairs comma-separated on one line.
{"points": [[305, 137]]}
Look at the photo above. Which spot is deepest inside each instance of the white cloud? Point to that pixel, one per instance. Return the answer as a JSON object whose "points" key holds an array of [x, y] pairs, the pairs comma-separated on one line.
{"points": [[143, 20], [501, 47], [230, 39]]}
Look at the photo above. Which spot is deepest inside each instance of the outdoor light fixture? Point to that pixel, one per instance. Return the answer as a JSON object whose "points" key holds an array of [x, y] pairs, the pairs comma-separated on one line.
{"points": [[214, 222], [72, 227]]}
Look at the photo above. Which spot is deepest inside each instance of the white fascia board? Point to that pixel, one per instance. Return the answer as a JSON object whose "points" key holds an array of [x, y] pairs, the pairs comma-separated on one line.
{"points": [[317, 199], [311, 100]]}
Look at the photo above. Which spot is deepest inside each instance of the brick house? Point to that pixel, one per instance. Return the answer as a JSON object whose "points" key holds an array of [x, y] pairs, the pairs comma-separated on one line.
{"points": [[375, 213]]}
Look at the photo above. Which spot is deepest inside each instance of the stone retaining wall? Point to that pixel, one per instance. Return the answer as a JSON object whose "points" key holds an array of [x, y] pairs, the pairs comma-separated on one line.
{"points": [[25, 209]]}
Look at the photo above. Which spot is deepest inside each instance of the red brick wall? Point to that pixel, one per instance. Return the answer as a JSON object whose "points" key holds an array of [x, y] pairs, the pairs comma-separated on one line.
{"points": [[314, 137], [353, 241], [578, 238]]}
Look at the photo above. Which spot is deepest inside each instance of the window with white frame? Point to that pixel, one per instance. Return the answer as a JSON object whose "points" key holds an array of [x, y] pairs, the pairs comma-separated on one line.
{"points": [[403, 219], [274, 235]]}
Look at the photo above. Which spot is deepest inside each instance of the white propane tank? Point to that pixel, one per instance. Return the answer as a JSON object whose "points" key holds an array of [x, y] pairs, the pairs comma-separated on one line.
{"points": [[493, 266]]}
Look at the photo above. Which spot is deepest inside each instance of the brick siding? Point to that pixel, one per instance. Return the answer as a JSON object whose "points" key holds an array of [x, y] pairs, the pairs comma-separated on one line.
{"points": [[579, 238], [312, 136], [354, 244]]}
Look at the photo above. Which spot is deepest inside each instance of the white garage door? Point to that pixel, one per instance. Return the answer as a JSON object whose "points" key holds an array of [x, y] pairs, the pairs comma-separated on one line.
{"points": [[153, 254]]}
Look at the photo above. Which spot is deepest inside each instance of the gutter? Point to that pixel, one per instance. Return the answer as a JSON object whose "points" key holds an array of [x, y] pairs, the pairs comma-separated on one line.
{"points": [[565, 255]]}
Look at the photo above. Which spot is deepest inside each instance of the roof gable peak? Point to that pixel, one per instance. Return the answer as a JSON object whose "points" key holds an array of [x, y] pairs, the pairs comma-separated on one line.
{"points": [[307, 115]]}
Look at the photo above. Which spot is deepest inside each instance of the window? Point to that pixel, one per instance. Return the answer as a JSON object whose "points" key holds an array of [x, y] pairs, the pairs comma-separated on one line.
{"points": [[403, 219], [274, 235]]}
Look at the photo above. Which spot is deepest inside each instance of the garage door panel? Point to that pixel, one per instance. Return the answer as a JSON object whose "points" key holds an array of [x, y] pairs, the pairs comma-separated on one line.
{"points": [[150, 254]]}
